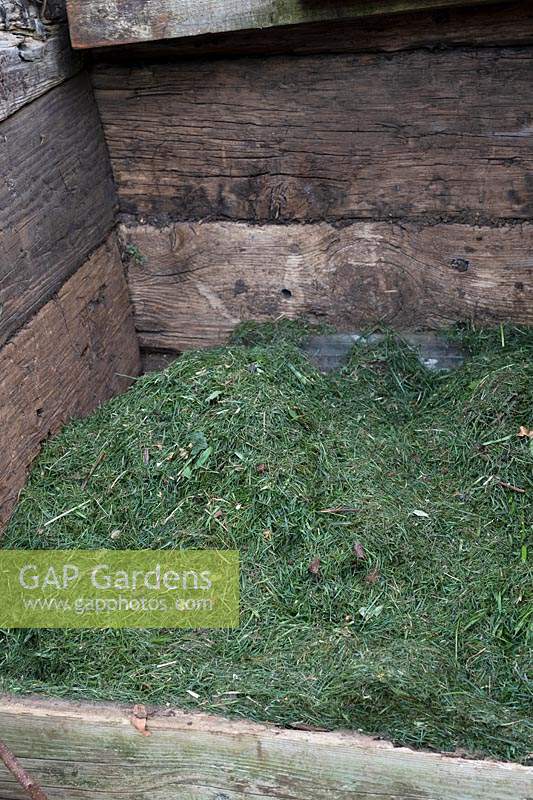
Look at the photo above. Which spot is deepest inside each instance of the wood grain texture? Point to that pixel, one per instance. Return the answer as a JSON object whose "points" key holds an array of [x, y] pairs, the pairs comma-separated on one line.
{"points": [[86, 751], [31, 65], [93, 23], [68, 359], [31, 18], [57, 199], [191, 284], [500, 25], [447, 135]]}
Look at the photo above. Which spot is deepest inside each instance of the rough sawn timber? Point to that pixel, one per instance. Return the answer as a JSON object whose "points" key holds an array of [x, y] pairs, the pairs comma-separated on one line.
{"points": [[410, 135], [96, 24], [72, 355], [35, 52], [192, 283], [489, 26], [57, 199], [31, 65], [81, 751]]}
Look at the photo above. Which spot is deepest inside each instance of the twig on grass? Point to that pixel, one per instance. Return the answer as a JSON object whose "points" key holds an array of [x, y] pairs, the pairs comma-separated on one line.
{"points": [[511, 487], [93, 469]]}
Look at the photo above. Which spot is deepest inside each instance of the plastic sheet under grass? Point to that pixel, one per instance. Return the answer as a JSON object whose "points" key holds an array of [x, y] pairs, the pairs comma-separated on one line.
{"points": [[423, 640]]}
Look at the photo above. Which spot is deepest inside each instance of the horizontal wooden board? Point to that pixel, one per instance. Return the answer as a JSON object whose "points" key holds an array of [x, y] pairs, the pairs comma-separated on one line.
{"points": [[410, 135], [191, 284], [81, 750], [57, 200], [69, 358], [94, 23], [503, 24], [30, 66]]}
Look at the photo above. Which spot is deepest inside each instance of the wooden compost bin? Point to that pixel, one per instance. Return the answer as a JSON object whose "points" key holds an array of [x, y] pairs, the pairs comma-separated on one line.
{"points": [[350, 162]]}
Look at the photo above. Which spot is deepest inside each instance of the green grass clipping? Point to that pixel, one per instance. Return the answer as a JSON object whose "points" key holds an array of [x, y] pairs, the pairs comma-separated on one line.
{"points": [[382, 515]]}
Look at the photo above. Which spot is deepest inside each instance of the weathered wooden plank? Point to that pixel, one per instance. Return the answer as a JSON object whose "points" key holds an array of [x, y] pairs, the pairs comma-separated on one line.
{"points": [[57, 200], [191, 284], [500, 25], [30, 18], [69, 358], [92, 751], [31, 65], [95, 24], [416, 134], [35, 52]]}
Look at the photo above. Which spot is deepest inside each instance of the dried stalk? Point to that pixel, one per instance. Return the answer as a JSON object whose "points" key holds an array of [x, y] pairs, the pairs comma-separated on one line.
{"points": [[26, 781]]}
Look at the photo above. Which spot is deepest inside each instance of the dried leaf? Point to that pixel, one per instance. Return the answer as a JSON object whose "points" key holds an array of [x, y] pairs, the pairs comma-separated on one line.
{"points": [[261, 469], [139, 719], [525, 432], [314, 567], [359, 551], [418, 513], [373, 576]]}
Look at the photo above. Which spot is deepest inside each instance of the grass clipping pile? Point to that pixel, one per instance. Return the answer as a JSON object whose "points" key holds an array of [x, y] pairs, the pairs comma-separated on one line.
{"points": [[381, 514]]}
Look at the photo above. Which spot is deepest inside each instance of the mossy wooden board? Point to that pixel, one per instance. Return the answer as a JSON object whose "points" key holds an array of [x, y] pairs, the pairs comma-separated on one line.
{"points": [[82, 751], [97, 24]]}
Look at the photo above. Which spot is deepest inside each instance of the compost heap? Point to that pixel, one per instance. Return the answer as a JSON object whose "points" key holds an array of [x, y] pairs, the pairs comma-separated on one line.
{"points": [[381, 514]]}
